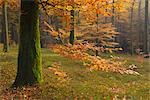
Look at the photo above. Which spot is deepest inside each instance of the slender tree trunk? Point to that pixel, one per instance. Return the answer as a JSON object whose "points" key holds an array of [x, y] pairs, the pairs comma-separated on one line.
{"points": [[14, 33], [96, 41], [113, 12], [146, 35], [97, 29], [118, 24], [139, 25], [131, 27], [5, 28], [71, 39], [106, 18], [78, 18], [1, 34], [29, 58]]}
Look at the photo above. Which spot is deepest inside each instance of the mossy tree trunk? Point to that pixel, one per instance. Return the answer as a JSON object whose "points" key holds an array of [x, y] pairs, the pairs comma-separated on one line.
{"points": [[5, 28], [29, 58]]}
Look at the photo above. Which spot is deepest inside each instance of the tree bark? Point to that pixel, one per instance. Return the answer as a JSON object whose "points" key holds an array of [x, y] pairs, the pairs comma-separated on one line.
{"points": [[146, 35], [139, 25], [113, 12], [14, 34], [29, 58], [131, 27], [71, 39], [2, 33], [106, 18], [5, 28], [77, 18], [97, 29]]}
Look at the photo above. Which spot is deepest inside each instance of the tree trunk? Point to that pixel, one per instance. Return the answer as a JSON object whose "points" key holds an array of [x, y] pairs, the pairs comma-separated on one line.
{"points": [[139, 26], [29, 58], [131, 27], [14, 34], [97, 29], [2, 33], [146, 35], [5, 28], [71, 39], [106, 18], [77, 18], [113, 12], [96, 42]]}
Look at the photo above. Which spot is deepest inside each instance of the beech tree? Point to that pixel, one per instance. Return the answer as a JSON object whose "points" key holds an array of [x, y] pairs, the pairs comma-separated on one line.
{"points": [[139, 25], [113, 11], [71, 39], [5, 27], [146, 35], [29, 58], [131, 25]]}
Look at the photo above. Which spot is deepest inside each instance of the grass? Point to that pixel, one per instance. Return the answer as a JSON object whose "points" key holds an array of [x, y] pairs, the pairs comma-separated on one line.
{"points": [[80, 84]]}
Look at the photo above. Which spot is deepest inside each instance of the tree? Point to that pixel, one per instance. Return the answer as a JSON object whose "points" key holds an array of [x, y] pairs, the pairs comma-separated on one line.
{"points": [[72, 12], [29, 58], [5, 27], [131, 25], [14, 34], [71, 38], [113, 11], [139, 25], [146, 35]]}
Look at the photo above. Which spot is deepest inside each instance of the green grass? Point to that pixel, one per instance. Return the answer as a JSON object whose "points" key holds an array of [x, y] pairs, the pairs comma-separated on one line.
{"points": [[81, 83]]}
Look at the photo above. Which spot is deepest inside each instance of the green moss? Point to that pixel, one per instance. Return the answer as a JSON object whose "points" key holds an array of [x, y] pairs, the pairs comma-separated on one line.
{"points": [[29, 57]]}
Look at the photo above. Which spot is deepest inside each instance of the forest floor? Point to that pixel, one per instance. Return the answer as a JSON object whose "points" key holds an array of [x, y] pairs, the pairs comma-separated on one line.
{"points": [[72, 81]]}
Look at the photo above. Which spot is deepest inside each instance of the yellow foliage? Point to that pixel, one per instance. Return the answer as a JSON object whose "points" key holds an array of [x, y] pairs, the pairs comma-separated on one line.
{"points": [[12, 4], [69, 8], [87, 7]]}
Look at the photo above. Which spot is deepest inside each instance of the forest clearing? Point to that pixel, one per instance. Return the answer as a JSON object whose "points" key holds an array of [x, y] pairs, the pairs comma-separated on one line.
{"points": [[80, 83], [74, 50]]}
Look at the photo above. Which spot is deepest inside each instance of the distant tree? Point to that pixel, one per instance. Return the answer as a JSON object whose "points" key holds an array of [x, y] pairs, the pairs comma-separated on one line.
{"points": [[131, 26], [72, 12], [5, 27], [29, 59], [113, 12], [14, 34], [146, 34], [139, 25], [2, 33]]}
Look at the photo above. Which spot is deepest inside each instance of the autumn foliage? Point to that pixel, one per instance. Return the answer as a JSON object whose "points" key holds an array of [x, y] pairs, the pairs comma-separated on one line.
{"points": [[12, 4], [79, 51]]}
